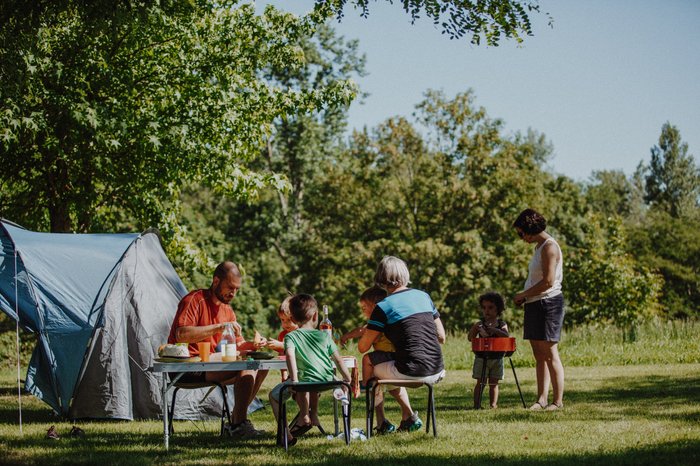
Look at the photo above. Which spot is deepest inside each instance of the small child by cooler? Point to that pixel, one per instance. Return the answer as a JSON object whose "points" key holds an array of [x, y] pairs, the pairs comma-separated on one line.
{"points": [[490, 325]]}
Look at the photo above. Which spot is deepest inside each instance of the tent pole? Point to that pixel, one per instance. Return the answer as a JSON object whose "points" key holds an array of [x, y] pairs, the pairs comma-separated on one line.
{"points": [[19, 383]]}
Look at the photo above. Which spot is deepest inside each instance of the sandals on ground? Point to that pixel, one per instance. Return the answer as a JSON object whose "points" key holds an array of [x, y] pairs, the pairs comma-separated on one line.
{"points": [[537, 406], [554, 407]]}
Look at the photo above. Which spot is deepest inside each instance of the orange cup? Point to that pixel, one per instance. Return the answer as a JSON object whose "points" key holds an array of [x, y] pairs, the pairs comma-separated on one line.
{"points": [[204, 348]]}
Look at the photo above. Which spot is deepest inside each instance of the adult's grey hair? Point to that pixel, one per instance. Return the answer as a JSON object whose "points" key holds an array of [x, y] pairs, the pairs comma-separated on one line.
{"points": [[392, 272]]}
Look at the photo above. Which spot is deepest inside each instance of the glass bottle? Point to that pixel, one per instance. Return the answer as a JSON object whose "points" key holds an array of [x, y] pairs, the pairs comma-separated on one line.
{"points": [[326, 325], [227, 337]]}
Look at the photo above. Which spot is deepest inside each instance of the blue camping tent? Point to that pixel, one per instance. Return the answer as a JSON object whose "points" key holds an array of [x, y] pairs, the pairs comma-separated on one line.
{"points": [[99, 306]]}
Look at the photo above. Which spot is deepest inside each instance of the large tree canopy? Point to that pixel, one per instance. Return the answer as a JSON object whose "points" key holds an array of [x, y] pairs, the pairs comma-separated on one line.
{"points": [[108, 107]]}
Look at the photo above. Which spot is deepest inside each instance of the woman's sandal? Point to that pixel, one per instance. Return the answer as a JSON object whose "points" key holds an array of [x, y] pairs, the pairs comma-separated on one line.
{"points": [[554, 407], [537, 406]]}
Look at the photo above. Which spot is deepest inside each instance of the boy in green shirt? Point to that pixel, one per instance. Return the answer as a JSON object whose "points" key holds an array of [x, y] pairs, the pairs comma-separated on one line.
{"points": [[310, 356]]}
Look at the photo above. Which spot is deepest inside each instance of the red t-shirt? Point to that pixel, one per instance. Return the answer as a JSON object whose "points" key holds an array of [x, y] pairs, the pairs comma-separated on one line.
{"points": [[198, 309], [280, 337]]}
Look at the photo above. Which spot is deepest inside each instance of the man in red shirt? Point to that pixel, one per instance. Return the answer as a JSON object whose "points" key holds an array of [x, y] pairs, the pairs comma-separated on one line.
{"points": [[202, 316]]}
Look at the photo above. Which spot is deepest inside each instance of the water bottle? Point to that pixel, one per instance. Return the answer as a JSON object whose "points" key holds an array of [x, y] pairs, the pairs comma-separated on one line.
{"points": [[227, 337], [326, 325], [340, 395]]}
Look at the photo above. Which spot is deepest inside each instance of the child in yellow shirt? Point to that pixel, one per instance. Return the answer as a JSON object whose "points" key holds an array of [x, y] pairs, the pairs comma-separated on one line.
{"points": [[383, 352]]}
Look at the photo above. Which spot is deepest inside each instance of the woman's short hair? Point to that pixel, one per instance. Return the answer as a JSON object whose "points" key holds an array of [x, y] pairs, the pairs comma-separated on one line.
{"points": [[495, 298], [392, 272], [530, 222], [302, 308]]}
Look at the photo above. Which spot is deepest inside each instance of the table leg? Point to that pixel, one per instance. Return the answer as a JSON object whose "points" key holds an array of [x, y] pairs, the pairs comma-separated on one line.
{"points": [[164, 395]]}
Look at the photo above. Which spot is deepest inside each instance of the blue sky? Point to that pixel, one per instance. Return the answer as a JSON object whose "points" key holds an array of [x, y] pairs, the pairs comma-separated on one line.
{"points": [[599, 84]]}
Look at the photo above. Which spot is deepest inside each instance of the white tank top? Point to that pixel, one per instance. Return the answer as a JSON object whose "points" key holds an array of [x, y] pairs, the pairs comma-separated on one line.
{"points": [[535, 273]]}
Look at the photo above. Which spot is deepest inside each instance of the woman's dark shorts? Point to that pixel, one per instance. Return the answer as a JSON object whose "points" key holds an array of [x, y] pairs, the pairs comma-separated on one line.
{"points": [[379, 357], [544, 319]]}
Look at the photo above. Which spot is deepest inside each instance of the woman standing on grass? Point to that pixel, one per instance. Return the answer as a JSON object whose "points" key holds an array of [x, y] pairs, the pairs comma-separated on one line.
{"points": [[544, 307]]}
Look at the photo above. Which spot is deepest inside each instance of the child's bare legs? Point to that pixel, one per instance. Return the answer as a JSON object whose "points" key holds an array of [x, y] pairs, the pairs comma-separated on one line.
{"points": [[367, 368], [302, 400], [313, 409], [493, 393], [379, 407], [401, 396], [368, 373], [275, 405], [477, 393]]}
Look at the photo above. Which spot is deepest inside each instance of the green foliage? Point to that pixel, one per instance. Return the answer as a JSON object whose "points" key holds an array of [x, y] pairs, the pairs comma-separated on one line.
{"points": [[671, 246], [107, 111], [604, 284], [270, 236], [610, 193], [443, 202], [672, 178], [488, 20]]}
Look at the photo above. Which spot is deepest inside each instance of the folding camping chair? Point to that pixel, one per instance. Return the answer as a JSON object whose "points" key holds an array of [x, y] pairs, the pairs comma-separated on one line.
{"points": [[371, 392], [314, 387]]}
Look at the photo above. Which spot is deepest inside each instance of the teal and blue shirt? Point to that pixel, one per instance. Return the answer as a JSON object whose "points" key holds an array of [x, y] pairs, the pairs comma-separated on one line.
{"points": [[407, 319]]}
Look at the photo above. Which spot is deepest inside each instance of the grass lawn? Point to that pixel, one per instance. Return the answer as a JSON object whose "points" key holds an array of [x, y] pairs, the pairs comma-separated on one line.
{"points": [[635, 414]]}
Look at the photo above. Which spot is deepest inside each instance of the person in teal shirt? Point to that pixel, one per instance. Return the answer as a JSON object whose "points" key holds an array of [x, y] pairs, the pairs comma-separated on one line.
{"points": [[311, 355]]}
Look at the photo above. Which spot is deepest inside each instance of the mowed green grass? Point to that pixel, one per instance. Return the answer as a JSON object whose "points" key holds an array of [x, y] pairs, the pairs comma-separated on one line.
{"points": [[620, 413]]}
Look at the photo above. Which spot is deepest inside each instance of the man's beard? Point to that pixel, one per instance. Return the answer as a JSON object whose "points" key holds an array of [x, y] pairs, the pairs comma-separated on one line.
{"points": [[220, 297]]}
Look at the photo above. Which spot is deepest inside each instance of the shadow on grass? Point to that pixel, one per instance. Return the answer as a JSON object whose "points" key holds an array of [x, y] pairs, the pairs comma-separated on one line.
{"points": [[129, 449], [626, 395], [621, 397]]}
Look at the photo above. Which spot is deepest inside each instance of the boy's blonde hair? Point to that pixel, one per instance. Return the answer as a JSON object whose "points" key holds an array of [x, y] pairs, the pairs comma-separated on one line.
{"points": [[284, 307]]}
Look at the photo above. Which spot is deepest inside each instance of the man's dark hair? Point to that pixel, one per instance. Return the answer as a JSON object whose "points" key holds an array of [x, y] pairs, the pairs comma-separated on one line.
{"points": [[373, 294], [530, 222], [302, 308], [495, 298], [222, 270]]}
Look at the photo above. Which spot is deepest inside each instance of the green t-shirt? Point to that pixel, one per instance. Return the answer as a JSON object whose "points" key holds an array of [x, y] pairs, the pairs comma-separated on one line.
{"points": [[312, 350]]}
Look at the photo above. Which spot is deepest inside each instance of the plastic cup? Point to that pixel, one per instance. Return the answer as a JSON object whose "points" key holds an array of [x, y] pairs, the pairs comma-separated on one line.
{"points": [[204, 348]]}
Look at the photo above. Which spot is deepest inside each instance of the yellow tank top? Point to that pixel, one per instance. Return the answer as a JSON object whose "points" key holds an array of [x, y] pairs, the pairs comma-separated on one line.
{"points": [[383, 344]]}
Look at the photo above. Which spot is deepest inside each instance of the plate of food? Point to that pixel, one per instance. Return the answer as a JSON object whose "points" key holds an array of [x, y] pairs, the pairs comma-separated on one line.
{"points": [[260, 355], [175, 353], [169, 359]]}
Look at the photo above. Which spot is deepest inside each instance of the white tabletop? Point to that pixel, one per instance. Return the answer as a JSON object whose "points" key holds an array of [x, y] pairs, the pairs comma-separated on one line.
{"points": [[260, 364]]}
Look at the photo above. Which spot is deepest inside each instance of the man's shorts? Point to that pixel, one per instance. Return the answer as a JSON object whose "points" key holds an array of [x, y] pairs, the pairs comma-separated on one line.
{"points": [[494, 368], [190, 377]]}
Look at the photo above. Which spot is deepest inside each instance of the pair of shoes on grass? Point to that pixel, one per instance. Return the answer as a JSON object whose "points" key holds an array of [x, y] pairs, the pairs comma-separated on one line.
{"points": [[537, 406], [76, 432], [243, 430], [386, 427]]}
